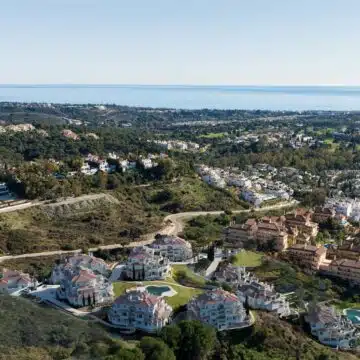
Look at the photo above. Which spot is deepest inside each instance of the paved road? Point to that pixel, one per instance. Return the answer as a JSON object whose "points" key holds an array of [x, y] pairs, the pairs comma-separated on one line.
{"points": [[173, 225]]}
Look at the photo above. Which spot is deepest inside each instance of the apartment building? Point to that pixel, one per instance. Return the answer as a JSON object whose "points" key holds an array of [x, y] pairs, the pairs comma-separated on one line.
{"points": [[343, 268], [331, 328], [172, 247], [82, 287], [322, 214], [239, 236], [220, 309], [137, 309], [145, 263], [12, 281], [301, 219], [272, 229], [81, 261], [308, 256]]}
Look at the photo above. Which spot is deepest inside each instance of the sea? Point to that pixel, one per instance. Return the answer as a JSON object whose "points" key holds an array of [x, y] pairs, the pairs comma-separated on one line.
{"points": [[296, 98]]}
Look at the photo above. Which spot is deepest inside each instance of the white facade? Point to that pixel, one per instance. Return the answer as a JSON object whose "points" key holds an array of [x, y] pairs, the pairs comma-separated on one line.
{"points": [[219, 308], [137, 309], [331, 328], [173, 247], [12, 281], [144, 264]]}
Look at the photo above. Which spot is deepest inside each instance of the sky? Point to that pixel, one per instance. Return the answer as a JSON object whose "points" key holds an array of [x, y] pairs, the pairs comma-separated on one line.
{"points": [[198, 42]]}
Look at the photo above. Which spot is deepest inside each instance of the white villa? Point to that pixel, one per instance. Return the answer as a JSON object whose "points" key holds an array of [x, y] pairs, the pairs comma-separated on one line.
{"points": [[137, 309], [81, 287], [145, 263], [331, 328], [219, 308], [12, 281], [172, 247], [253, 292], [81, 261]]}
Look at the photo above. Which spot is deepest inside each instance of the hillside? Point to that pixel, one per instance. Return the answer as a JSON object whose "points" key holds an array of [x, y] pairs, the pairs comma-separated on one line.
{"points": [[32, 332], [277, 339]]}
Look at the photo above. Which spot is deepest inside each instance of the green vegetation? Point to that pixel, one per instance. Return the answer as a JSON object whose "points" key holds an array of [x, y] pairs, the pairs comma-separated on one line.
{"points": [[192, 194], [78, 225], [247, 259], [184, 294], [185, 276], [204, 230], [32, 332], [213, 136]]}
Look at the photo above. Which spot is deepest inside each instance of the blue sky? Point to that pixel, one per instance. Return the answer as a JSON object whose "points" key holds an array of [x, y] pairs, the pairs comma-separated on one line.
{"points": [[180, 41]]}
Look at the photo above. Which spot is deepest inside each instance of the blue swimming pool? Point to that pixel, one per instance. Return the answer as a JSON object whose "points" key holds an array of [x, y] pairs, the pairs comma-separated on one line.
{"points": [[157, 290], [353, 315]]}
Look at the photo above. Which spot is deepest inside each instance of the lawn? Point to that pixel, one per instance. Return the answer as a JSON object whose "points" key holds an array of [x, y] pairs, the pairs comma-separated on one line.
{"points": [[182, 273], [213, 136], [247, 259], [184, 294]]}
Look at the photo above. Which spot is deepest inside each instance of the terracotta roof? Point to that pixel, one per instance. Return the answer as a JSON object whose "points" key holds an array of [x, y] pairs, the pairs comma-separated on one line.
{"points": [[139, 297], [83, 276]]}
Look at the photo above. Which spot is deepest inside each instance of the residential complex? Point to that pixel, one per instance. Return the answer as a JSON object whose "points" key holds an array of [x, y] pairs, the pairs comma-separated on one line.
{"points": [[308, 256], [277, 231], [82, 287], [219, 308], [331, 328], [81, 261], [253, 292], [12, 281], [145, 263], [83, 281], [137, 309], [172, 247]]}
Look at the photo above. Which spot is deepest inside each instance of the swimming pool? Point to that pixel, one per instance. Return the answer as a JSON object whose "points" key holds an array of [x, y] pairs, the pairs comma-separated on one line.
{"points": [[161, 290], [353, 315], [157, 290]]}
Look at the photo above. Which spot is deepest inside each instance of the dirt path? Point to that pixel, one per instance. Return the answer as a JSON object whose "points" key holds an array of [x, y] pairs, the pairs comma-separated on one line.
{"points": [[172, 225]]}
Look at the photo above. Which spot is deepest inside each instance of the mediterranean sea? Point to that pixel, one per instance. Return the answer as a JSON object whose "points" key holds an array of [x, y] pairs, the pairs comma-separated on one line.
{"points": [[299, 98]]}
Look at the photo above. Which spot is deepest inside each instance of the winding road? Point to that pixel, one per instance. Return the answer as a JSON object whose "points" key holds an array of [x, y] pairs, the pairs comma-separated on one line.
{"points": [[173, 225]]}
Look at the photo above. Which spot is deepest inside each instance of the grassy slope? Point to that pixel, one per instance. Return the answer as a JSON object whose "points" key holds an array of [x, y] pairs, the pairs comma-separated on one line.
{"points": [[29, 331], [247, 258], [272, 338], [31, 230]]}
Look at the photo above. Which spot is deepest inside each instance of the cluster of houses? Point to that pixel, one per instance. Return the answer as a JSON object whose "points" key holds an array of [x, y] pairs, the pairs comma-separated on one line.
{"points": [[332, 328], [300, 140], [251, 291], [152, 262], [177, 145], [344, 206], [13, 281], [273, 232], [255, 186], [83, 281]]}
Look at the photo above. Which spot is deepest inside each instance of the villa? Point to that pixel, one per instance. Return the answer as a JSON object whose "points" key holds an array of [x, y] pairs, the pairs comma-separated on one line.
{"points": [[145, 263], [253, 292], [219, 308], [82, 287], [137, 309], [172, 247], [12, 281], [331, 328], [81, 261]]}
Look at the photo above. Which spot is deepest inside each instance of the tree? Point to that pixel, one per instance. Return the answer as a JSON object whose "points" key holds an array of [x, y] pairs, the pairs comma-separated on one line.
{"points": [[171, 334], [211, 253], [127, 354], [155, 349], [197, 341]]}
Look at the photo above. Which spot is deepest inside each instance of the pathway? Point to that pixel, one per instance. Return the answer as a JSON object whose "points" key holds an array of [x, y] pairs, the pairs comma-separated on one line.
{"points": [[173, 225]]}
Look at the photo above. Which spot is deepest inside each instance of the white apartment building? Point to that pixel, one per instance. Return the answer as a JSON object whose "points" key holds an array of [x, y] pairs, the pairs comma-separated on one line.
{"points": [[145, 263], [331, 328], [172, 247], [96, 265], [81, 287], [12, 281], [137, 309], [219, 308]]}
